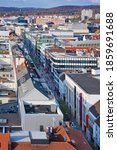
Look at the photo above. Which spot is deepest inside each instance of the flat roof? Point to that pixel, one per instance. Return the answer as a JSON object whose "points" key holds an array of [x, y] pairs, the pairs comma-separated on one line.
{"points": [[7, 93], [4, 140], [79, 54], [38, 135], [19, 136], [51, 146], [37, 109], [13, 119], [87, 82]]}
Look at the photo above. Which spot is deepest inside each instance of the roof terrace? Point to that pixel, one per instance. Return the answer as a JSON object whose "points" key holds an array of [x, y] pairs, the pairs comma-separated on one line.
{"points": [[40, 108]]}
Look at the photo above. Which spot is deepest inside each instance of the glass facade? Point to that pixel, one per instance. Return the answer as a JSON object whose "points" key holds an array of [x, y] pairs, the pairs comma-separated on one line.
{"points": [[72, 60]]}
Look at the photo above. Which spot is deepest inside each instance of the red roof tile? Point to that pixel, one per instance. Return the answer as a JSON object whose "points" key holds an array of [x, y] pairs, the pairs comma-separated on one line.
{"points": [[51, 146], [59, 134], [4, 139], [81, 143]]}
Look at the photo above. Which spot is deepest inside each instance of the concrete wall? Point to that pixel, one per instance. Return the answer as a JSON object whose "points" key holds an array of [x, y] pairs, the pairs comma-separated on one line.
{"points": [[7, 99], [34, 121], [87, 100]]}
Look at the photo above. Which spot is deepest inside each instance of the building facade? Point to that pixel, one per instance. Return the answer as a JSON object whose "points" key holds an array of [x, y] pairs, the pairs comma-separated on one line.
{"points": [[81, 92]]}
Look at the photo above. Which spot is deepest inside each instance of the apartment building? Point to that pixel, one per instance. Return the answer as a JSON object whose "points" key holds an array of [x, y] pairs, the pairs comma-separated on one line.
{"points": [[52, 138], [86, 14], [44, 41], [61, 33], [4, 35], [36, 102], [79, 28], [82, 90], [7, 76]]}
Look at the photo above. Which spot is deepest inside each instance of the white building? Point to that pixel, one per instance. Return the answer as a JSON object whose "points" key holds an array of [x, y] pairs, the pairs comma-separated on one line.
{"points": [[86, 14], [7, 73], [7, 76], [38, 108], [97, 16], [81, 92], [7, 96], [77, 60], [62, 33], [79, 28], [4, 35]]}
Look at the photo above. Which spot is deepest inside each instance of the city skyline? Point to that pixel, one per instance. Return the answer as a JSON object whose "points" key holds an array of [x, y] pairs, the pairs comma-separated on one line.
{"points": [[46, 3]]}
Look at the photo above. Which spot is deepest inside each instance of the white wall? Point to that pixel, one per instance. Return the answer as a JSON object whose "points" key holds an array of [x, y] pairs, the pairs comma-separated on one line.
{"points": [[33, 121], [4, 35], [6, 60], [7, 99], [87, 99]]}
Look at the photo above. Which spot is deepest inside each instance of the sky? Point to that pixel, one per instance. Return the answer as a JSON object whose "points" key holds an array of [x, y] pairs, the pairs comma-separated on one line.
{"points": [[45, 3]]}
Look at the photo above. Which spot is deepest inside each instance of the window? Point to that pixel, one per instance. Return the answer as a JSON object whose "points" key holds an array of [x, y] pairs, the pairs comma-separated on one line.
{"points": [[41, 128], [10, 101]]}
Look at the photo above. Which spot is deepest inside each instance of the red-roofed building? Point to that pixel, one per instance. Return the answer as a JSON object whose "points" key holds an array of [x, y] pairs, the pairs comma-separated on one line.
{"points": [[80, 141], [4, 141], [58, 140], [51, 146], [59, 134]]}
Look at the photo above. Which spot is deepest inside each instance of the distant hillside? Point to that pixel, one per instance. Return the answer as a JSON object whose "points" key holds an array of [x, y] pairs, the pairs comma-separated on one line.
{"points": [[56, 10]]}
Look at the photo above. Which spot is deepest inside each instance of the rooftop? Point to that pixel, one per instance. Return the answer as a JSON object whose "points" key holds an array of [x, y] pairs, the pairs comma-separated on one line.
{"points": [[71, 51], [51, 146], [78, 137], [59, 134], [7, 93], [31, 109], [95, 109], [87, 82], [4, 140], [12, 119], [79, 54], [38, 135], [58, 140], [19, 136], [30, 80]]}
